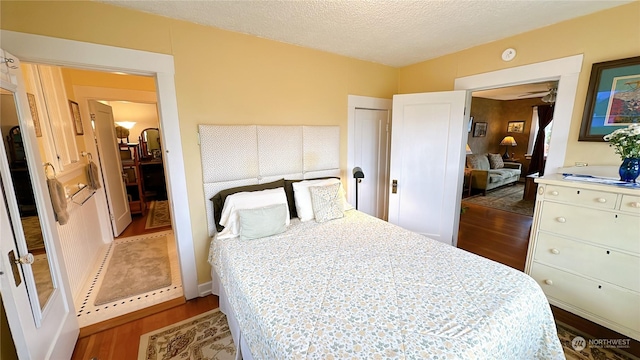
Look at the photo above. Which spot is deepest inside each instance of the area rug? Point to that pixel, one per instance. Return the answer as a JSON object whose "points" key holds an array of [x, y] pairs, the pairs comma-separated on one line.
{"points": [[579, 346], [206, 336], [159, 215], [135, 267], [508, 198]]}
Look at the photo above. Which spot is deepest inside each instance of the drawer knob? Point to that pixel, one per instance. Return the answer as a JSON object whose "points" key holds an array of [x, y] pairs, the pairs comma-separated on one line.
{"points": [[635, 204], [561, 220], [601, 200], [548, 282], [555, 193], [555, 251]]}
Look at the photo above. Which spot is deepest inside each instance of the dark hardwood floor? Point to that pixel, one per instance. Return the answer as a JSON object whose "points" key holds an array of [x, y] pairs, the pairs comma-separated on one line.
{"points": [[137, 225], [495, 234]]}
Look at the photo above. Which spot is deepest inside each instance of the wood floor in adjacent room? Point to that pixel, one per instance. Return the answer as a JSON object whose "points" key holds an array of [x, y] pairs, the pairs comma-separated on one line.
{"points": [[495, 234], [121, 342]]}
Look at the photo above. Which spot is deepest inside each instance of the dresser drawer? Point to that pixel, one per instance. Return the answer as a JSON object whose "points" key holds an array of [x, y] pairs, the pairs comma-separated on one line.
{"points": [[609, 228], [599, 263], [601, 299], [592, 198], [630, 203]]}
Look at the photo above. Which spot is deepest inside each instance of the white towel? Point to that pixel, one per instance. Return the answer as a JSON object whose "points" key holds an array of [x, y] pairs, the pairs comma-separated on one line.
{"points": [[93, 176], [58, 200]]}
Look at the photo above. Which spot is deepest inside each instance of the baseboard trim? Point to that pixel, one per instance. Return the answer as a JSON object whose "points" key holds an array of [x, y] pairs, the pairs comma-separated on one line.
{"points": [[204, 289], [123, 319]]}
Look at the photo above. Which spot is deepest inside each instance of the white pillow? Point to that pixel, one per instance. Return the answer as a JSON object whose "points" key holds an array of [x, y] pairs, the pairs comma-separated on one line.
{"points": [[302, 197], [247, 200]]}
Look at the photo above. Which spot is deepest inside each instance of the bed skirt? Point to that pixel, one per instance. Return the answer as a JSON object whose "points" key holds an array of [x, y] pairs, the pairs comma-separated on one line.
{"points": [[242, 349]]}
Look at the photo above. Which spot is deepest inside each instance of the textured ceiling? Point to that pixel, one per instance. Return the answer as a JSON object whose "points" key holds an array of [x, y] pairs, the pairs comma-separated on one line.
{"points": [[396, 33]]}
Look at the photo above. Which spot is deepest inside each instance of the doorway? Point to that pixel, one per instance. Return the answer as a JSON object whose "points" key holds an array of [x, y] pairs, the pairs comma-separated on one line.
{"points": [[130, 168], [76, 54], [565, 71]]}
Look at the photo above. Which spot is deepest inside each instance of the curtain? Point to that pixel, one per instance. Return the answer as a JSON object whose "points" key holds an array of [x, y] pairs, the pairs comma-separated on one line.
{"points": [[545, 115]]}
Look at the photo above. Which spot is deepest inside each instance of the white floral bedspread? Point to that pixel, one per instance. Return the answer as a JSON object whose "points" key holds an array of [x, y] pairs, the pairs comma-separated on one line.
{"points": [[359, 287]]}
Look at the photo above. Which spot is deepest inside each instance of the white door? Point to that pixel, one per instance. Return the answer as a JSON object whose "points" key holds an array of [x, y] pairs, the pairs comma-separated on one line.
{"points": [[111, 166], [427, 150], [42, 319], [371, 141]]}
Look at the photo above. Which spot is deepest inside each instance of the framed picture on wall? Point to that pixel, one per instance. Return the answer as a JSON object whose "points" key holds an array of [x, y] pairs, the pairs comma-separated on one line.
{"points": [[470, 124], [515, 127], [75, 115], [613, 98], [480, 129]]}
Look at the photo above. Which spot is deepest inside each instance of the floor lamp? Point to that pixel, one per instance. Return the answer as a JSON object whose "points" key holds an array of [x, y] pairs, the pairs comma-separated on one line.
{"points": [[358, 175]]}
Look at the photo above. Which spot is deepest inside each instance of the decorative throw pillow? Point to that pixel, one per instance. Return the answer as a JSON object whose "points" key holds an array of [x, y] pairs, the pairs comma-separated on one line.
{"points": [[264, 221], [327, 202], [495, 161], [477, 162], [302, 196]]}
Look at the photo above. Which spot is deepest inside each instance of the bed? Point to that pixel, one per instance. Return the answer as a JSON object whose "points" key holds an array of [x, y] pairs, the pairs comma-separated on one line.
{"points": [[353, 286]]}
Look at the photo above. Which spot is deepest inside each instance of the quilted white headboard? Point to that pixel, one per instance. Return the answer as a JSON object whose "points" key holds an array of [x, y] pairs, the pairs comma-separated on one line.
{"points": [[237, 155]]}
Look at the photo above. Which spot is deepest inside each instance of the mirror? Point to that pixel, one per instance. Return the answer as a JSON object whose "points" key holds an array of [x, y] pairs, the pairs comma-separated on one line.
{"points": [[150, 143], [29, 223]]}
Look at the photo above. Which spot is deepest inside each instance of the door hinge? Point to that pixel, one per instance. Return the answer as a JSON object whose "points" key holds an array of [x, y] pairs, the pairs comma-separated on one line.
{"points": [[13, 262]]}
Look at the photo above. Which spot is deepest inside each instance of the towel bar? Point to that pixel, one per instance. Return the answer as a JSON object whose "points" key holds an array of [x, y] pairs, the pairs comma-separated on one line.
{"points": [[45, 169]]}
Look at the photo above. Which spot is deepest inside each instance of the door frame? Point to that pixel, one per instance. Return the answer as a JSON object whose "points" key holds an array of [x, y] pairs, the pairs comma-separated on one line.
{"points": [[566, 70], [370, 103], [77, 54]]}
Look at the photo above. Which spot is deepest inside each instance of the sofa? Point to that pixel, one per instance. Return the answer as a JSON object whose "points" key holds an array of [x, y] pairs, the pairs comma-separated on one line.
{"points": [[488, 171]]}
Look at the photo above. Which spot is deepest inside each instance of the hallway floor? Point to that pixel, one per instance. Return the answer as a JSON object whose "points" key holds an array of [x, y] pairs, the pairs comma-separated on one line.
{"points": [[89, 314]]}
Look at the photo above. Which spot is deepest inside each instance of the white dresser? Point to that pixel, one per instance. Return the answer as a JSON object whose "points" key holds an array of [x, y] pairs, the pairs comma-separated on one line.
{"points": [[584, 251]]}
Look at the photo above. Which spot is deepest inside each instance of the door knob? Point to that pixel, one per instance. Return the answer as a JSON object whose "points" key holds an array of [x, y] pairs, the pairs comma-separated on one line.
{"points": [[25, 259]]}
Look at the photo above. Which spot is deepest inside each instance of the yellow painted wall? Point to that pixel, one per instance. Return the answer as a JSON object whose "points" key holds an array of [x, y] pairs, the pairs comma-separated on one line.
{"points": [[221, 77], [607, 35]]}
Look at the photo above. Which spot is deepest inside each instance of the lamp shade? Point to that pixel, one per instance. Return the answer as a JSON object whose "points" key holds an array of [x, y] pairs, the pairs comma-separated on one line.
{"points": [[469, 150], [508, 141], [357, 173], [126, 124]]}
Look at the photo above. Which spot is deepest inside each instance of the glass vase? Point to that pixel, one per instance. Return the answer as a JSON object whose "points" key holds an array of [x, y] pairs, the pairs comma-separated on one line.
{"points": [[629, 169]]}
